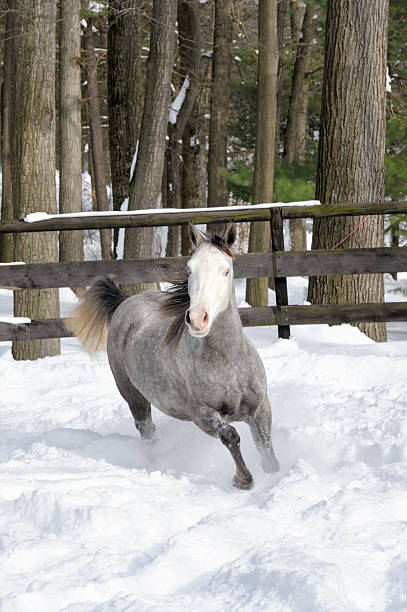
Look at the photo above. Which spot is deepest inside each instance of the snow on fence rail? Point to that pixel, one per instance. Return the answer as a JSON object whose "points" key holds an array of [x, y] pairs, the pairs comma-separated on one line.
{"points": [[275, 263], [161, 217]]}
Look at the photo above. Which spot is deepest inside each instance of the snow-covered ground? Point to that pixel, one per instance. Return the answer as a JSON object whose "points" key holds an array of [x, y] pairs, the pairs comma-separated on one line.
{"points": [[92, 519]]}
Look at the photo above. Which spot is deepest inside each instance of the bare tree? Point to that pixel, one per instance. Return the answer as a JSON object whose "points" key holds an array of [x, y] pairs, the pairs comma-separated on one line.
{"points": [[33, 154], [257, 289], [282, 11], [193, 168], [145, 187], [125, 93], [70, 147], [296, 130], [297, 9], [6, 240], [189, 37], [351, 164], [98, 155], [221, 70]]}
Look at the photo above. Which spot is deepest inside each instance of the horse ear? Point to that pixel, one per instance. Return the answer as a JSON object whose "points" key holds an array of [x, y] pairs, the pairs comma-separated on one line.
{"points": [[196, 237], [229, 235]]}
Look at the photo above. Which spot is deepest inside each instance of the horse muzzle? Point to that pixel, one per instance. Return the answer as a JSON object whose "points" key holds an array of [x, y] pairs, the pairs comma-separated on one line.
{"points": [[198, 322]]}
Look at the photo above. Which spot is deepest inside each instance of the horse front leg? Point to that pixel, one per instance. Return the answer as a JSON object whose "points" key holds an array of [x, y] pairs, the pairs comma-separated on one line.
{"points": [[260, 428], [210, 421]]}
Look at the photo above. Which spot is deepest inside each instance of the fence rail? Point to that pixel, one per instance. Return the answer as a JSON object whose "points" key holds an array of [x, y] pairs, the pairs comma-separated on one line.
{"points": [[276, 263], [253, 265], [250, 317], [208, 215]]}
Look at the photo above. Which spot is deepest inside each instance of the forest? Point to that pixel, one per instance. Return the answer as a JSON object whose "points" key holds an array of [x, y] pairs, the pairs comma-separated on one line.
{"points": [[240, 451], [138, 104]]}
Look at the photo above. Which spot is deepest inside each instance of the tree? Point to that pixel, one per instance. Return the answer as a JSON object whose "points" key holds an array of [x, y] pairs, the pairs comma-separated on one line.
{"points": [[98, 155], [219, 114], [257, 289], [70, 148], [351, 162], [33, 154], [296, 130], [6, 241], [125, 93], [282, 10], [193, 168], [145, 187], [189, 36]]}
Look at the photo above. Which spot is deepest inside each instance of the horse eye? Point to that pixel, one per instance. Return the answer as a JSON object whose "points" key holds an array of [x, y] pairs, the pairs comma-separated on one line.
{"points": [[226, 272], [188, 270]]}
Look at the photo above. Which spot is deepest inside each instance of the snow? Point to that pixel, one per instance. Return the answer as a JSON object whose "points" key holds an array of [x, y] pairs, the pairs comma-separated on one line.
{"points": [[120, 241], [14, 320], [133, 162], [13, 263], [178, 102], [388, 80], [92, 519], [97, 7], [40, 216]]}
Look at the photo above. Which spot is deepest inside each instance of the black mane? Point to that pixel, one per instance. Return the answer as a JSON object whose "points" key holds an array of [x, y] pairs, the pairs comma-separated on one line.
{"points": [[175, 304], [219, 243]]}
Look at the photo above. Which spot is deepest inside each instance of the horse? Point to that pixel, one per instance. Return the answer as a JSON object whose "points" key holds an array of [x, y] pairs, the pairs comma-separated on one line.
{"points": [[183, 350]]}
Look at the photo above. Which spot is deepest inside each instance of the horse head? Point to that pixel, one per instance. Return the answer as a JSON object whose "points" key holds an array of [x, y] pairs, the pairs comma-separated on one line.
{"points": [[210, 278]]}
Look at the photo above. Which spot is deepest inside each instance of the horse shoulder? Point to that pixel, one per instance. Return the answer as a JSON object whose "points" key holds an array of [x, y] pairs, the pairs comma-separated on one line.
{"points": [[251, 375]]}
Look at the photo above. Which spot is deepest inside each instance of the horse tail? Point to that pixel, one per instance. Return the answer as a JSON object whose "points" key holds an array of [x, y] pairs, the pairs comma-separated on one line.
{"points": [[90, 319]]}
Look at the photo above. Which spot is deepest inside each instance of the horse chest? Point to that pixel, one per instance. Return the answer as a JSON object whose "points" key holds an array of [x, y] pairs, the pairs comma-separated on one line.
{"points": [[229, 391]]}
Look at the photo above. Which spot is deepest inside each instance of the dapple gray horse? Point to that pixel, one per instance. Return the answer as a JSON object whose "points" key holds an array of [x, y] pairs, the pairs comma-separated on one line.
{"points": [[184, 351]]}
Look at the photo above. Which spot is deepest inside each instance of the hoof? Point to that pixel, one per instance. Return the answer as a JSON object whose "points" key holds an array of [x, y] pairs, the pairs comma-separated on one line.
{"points": [[147, 432], [149, 439], [245, 484], [270, 466], [269, 462]]}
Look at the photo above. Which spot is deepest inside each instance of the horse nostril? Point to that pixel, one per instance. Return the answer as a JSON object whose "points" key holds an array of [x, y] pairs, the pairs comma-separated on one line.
{"points": [[187, 317], [205, 318]]}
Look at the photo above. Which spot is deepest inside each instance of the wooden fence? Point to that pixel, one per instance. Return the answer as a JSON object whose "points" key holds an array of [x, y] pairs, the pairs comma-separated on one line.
{"points": [[276, 263]]}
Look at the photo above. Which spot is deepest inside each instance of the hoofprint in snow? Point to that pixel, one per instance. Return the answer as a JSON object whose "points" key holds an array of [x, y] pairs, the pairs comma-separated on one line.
{"points": [[91, 519]]}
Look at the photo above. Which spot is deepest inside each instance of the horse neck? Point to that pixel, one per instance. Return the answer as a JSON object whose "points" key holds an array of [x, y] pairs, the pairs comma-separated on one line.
{"points": [[226, 332]]}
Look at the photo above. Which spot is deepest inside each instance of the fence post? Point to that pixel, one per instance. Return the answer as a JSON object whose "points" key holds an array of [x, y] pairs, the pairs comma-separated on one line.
{"points": [[277, 244]]}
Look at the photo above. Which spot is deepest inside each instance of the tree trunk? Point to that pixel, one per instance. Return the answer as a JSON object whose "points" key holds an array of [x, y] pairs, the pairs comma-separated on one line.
{"points": [[125, 94], [395, 239], [221, 70], [297, 8], [6, 240], [70, 145], [98, 156], [189, 28], [194, 175], [282, 10], [145, 187], [193, 171], [351, 158], [295, 135], [33, 154], [259, 241]]}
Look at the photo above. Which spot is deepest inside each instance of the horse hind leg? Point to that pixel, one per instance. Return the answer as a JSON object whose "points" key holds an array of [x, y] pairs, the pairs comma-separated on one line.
{"points": [[140, 408], [260, 428], [210, 421]]}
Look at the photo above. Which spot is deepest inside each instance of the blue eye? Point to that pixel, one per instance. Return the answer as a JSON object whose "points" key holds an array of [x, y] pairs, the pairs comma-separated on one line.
{"points": [[226, 272]]}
